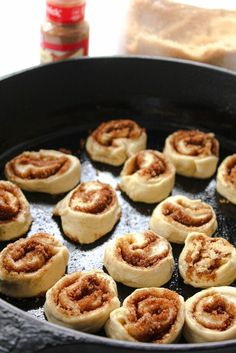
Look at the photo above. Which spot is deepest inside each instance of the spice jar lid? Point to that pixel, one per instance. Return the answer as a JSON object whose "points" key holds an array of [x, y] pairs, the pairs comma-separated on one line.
{"points": [[65, 12]]}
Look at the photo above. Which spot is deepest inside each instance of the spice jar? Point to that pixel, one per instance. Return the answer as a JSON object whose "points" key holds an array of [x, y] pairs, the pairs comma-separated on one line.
{"points": [[65, 33]]}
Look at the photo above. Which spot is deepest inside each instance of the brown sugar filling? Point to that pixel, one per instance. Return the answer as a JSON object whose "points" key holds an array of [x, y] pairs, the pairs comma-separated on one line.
{"points": [[10, 204], [195, 143], [217, 313], [230, 175], [206, 256], [28, 255], [152, 315], [141, 255], [187, 215], [93, 201], [108, 132], [148, 164], [79, 294], [39, 167]]}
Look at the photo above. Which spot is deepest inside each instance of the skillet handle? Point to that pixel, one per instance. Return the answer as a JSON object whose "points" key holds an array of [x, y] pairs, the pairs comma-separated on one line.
{"points": [[21, 333]]}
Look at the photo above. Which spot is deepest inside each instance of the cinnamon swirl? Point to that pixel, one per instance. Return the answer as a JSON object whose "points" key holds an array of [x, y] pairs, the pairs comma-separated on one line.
{"points": [[206, 262], [210, 315], [148, 315], [177, 216], [15, 218], [29, 267], [148, 176], [46, 171], [226, 178], [194, 153], [82, 300], [116, 140], [139, 260], [88, 212]]}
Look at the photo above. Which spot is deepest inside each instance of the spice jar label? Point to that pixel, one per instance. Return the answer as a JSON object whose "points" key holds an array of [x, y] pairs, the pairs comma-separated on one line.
{"points": [[59, 14], [51, 52]]}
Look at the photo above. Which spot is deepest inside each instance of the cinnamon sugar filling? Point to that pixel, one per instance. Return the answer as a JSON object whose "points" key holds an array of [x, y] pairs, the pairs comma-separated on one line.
{"points": [[78, 294], [148, 164], [93, 201], [194, 143], [10, 204], [152, 315], [187, 215], [108, 132], [206, 256], [141, 255], [37, 166], [230, 175], [27, 255], [214, 312]]}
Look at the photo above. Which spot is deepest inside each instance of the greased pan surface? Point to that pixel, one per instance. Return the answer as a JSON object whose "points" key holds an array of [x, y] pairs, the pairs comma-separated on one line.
{"points": [[55, 107]]}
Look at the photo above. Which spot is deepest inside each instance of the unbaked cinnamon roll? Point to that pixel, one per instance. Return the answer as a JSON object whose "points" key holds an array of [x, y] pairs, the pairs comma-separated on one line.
{"points": [[148, 315], [148, 176], [82, 300], [210, 315], [116, 140], [194, 153], [177, 216], [226, 178], [139, 260], [88, 212], [207, 262], [30, 266], [15, 218], [46, 171]]}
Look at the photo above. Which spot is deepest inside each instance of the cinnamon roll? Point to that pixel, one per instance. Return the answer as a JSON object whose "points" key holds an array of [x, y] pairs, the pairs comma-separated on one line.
{"points": [[194, 153], [116, 140], [177, 216], [29, 267], [88, 212], [15, 218], [210, 315], [139, 260], [207, 262], [148, 176], [48, 171], [226, 178], [82, 300], [154, 315]]}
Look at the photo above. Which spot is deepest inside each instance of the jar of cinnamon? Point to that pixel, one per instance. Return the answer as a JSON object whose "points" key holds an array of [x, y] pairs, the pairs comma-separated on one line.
{"points": [[65, 33]]}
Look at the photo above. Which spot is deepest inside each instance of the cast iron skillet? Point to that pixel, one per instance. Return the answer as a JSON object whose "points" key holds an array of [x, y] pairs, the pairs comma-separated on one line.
{"points": [[54, 106]]}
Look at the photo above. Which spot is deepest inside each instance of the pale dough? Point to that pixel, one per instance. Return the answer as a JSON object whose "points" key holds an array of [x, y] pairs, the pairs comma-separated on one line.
{"points": [[88, 212], [82, 300], [193, 153], [115, 141], [15, 217], [148, 176], [210, 315], [48, 171], [226, 178], [139, 259], [207, 262], [177, 216], [30, 266], [148, 315]]}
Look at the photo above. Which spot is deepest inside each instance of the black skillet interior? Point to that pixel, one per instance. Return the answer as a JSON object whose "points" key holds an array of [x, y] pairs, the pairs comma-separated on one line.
{"points": [[57, 105]]}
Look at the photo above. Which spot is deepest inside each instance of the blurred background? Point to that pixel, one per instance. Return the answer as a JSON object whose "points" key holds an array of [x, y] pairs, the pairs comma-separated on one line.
{"points": [[20, 22]]}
